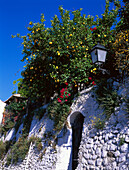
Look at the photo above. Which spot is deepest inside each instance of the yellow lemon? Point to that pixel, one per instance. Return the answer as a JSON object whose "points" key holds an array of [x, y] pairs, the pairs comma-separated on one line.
{"points": [[30, 23], [31, 68], [32, 31], [70, 35], [58, 80], [98, 35], [30, 79], [104, 35], [67, 46], [50, 42], [56, 67]]}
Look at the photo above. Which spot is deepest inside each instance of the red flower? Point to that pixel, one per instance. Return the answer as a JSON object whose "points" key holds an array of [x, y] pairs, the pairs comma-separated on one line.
{"points": [[61, 97], [66, 96], [62, 93], [62, 90], [69, 94], [15, 118], [66, 92], [59, 101], [66, 100], [66, 84], [91, 29], [23, 108], [93, 83], [90, 78], [94, 28]]}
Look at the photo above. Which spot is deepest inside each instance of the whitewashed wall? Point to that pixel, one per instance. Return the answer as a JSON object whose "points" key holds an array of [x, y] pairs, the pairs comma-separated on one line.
{"points": [[95, 145], [2, 106]]}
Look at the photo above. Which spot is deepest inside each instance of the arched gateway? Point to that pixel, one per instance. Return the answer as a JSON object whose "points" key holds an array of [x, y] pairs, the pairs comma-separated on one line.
{"points": [[70, 142], [76, 120]]}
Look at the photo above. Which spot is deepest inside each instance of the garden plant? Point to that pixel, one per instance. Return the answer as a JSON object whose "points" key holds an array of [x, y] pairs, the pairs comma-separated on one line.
{"points": [[57, 59]]}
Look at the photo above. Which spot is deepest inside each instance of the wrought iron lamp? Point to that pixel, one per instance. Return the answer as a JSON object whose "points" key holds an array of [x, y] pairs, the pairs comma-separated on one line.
{"points": [[98, 54]]}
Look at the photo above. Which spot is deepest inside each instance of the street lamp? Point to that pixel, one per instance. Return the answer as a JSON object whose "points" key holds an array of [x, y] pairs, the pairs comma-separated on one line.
{"points": [[98, 54]]}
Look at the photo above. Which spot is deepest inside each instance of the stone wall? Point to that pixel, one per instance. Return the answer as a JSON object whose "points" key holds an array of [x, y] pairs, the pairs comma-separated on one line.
{"points": [[104, 149], [34, 161], [99, 149]]}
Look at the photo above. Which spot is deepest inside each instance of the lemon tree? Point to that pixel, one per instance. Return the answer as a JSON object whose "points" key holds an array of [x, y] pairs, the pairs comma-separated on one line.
{"points": [[61, 53]]}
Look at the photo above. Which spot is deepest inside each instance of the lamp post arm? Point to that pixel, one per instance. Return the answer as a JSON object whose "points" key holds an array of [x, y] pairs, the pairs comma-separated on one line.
{"points": [[104, 71]]}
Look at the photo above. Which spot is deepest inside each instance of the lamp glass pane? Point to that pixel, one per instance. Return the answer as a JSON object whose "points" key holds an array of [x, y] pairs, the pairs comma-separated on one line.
{"points": [[94, 56], [102, 55]]}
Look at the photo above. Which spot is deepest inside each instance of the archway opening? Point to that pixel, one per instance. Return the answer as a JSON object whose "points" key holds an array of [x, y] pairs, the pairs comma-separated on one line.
{"points": [[77, 127]]}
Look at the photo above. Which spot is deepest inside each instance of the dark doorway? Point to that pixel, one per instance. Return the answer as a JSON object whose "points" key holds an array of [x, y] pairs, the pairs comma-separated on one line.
{"points": [[76, 138]]}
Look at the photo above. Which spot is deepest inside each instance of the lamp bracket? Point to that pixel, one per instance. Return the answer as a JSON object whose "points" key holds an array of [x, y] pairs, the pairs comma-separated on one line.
{"points": [[104, 71]]}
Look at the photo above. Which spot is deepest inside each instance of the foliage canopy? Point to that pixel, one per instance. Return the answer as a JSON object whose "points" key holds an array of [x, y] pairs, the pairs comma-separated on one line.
{"points": [[61, 53]]}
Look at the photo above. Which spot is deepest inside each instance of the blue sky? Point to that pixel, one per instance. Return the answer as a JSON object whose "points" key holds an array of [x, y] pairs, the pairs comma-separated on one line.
{"points": [[15, 16]]}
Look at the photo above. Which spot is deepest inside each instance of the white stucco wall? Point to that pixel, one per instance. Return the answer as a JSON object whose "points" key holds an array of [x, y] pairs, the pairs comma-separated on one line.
{"points": [[64, 151], [2, 106]]}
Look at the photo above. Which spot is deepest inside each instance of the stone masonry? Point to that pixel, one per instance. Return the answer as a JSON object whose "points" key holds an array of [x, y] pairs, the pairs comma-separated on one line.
{"points": [[106, 149]]}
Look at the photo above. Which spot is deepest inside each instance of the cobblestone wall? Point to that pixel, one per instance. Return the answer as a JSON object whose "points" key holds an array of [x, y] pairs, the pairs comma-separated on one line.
{"points": [[106, 149]]}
